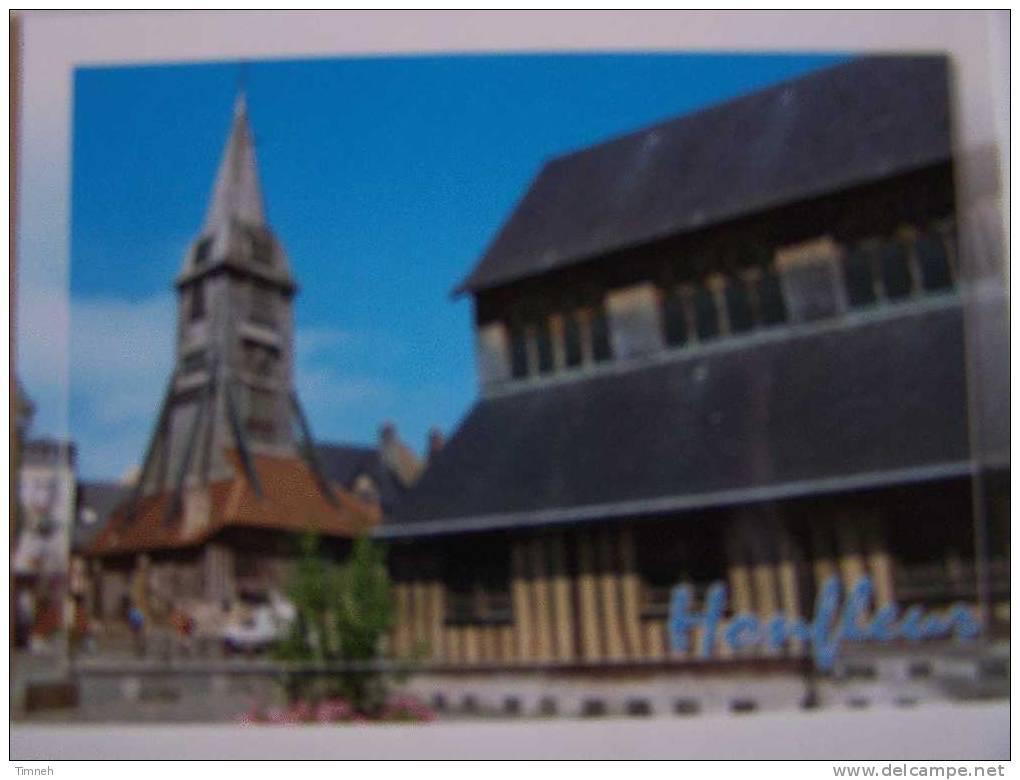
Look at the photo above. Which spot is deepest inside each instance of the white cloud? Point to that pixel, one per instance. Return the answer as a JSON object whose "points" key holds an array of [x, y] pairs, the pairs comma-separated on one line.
{"points": [[121, 356], [42, 331], [310, 343], [330, 396]]}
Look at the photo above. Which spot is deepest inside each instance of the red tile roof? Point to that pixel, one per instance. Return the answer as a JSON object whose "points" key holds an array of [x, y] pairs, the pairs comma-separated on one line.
{"points": [[291, 500]]}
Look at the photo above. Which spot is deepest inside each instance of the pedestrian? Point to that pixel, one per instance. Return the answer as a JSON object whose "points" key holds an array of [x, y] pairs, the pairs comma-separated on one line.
{"points": [[136, 619]]}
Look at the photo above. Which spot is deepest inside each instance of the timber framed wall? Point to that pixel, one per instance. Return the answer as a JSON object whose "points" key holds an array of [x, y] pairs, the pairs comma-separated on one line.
{"points": [[586, 595]]}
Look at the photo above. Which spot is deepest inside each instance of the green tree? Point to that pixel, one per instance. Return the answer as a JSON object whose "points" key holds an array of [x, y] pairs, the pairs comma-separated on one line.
{"points": [[363, 615], [343, 611]]}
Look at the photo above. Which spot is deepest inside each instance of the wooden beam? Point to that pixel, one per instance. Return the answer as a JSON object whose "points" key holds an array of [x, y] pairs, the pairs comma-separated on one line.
{"points": [[879, 562], [740, 578], [655, 639], [520, 593], [436, 616], [541, 600], [591, 646], [563, 604], [851, 553], [609, 589], [631, 595], [822, 554], [788, 587]]}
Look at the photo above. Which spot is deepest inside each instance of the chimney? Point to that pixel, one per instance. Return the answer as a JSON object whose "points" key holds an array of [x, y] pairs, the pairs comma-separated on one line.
{"points": [[397, 456], [436, 442], [387, 434]]}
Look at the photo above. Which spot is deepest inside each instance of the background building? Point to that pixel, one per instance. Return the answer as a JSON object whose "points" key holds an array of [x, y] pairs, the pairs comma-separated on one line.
{"points": [[46, 492]]}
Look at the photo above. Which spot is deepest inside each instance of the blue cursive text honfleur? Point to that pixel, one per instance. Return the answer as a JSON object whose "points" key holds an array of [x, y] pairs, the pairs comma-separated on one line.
{"points": [[826, 632]]}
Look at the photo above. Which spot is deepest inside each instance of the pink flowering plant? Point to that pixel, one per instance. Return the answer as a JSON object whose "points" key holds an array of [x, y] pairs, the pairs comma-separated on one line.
{"points": [[401, 709]]}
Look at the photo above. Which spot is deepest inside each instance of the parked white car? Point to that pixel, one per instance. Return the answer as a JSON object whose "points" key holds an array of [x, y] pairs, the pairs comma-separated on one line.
{"points": [[265, 624]]}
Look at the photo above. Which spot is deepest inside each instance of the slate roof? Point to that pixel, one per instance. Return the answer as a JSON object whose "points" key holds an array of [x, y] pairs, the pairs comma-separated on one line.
{"points": [[829, 130], [237, 194], [856, 403], [342, 463], [102, 498], [235, 233]]}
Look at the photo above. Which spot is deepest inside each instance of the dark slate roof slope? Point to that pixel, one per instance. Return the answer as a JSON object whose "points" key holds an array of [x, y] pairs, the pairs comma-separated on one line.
{"points": [[102, 498], [342, 463], [829, 130], [857, 405]]}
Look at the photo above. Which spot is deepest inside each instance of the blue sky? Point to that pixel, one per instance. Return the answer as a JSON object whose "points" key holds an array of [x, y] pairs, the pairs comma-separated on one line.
{"points": [[385, 179]]}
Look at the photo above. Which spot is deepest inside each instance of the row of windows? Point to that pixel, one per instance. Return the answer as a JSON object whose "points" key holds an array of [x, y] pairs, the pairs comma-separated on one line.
{"points": [[493, 604], [261, 360], [580, 336], [700, 314], [872, 272], [262, 306], [259, 242]]}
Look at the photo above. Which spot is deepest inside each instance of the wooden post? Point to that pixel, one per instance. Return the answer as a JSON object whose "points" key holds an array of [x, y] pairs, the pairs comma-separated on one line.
{"points": [[540, 600], [591, 649], [631, 594], [521, 601], [851, 558], [401, 639], [655, 639], [556, 330], [789, 592], [822, 553], [564, 625], [451, 645], [436, 618], [740, 580], [506, 641], [471, 645], [609, 586], [419, 616], [879, 562]]}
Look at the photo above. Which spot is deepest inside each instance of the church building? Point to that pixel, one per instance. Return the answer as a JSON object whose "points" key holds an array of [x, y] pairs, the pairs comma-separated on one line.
{"points": [[727, 348]]}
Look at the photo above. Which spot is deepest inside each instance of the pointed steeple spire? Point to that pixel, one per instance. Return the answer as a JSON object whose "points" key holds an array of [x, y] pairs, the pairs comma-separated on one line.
{"points": [[236, 194]]}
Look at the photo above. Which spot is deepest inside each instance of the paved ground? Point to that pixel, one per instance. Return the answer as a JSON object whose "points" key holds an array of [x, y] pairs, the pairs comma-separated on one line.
{"points": [[936, 732], [119, 687]]}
